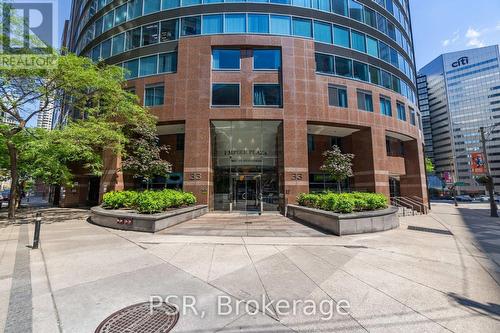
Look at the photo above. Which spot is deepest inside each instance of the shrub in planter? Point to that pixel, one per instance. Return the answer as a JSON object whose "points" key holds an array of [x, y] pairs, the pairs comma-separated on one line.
{"points": [[308, 200], [343, 203]]}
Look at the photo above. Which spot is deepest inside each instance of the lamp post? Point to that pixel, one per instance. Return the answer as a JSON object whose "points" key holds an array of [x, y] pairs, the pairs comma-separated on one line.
{"points": [[490, 184]]}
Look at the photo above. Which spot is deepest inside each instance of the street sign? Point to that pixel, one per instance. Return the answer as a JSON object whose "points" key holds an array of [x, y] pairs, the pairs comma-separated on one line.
{"points": [[461, 184]]}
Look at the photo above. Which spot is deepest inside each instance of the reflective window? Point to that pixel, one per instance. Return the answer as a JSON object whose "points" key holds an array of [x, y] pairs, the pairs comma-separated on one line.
{"points": [[167, 62], [258, 23], [150, 34], [168, 30], [302, 27], [386, 80], [166, 4], [375, 75], [281, 25], [121, 14], [106, 49], [134, 9], [385, 106], [151, 6], [190, 26], [109, 21], [323, 32], [226, 59], [324, 63], [360, 71], [381, 23], [118, 44], [267, 95], [340, 7], [391, 30], [372, 46], [385, 51], [267, 59], [190, 2], [148, 65], [98, 27], [154, 95], [413, 117], [96, 53], [133, 38], [365, 101], [358, 41], [355, 10], [401, 111], [394, 58], [321, 5], [212, 24], [341, 36], [235, 23], [302, 3], [343, 67], [370, 17], [131, 69], [337, 96], [224, 94]]}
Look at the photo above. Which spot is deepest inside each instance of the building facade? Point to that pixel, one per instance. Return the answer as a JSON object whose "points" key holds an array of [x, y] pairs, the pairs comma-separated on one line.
{"points": [[250, 94], [45, 118], [458, 93]]}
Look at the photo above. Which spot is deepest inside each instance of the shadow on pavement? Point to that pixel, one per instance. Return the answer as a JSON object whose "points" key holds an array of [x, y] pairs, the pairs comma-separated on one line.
{"points": [[489, 308]]}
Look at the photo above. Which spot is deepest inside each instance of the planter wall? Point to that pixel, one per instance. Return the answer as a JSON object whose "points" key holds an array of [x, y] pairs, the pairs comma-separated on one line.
{"points": [[346, 224], [130, 220]]}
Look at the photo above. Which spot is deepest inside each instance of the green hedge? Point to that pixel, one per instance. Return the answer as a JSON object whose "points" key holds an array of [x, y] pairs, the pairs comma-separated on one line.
{"points": [[344, 202], [148, 202]]}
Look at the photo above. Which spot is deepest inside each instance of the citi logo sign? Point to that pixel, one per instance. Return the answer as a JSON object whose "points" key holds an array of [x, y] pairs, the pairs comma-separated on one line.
{"points": [[461, 62]]}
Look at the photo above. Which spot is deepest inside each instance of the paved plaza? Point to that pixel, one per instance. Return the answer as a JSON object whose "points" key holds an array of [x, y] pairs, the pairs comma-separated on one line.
{"points": [[442, 277]]}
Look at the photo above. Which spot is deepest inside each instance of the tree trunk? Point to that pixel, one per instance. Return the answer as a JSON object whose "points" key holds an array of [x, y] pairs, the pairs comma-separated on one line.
{"points": [[339, 186], [13, 156]]}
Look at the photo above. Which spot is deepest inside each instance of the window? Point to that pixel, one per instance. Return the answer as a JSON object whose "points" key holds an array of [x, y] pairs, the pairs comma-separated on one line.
{"points": [[355, 10], [381, 23], [394, 57], [302, 3], [133, 38], [372, 46], [150, 34], [323, 32], [154, 95], [258, 23], [337, 96], [321, 5], [98, 27], [385, 52], [267, 59], [310, 143], [396, 84], [121, 14], [281, 25], [391, 31], [190, 2], [386, 80], [106, 49], [370, 17], [360, 71], [224, 94], [226, 59], [131, 69], [168, 30], [235, 23], [365, 101], [341, 36], [167, 4], [385, 106], [340, 7], [134, 9], [149, 65], [167, 63], [180, 141], [343, 67], [375, 75], [302, 27], [212, 24], [118, 43], [324, 63], [109, 20], [401, 111], [413, 117], [267, 95], [151, 6], [190, 26], [358, 41], [96, 53]]}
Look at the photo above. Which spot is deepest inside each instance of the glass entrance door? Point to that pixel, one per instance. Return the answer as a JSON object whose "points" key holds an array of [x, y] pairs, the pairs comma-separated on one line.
{"points": [[247, 193]]}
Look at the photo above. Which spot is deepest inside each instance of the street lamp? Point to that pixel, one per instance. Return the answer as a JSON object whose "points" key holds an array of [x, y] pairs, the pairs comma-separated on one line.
{"points": [[490, 184]]}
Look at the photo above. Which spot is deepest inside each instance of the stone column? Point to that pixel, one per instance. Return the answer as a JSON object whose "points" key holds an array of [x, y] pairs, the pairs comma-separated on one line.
{"points": [[413, 184], [112, 177]]}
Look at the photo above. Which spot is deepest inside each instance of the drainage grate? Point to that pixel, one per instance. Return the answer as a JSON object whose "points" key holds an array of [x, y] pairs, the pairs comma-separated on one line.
{"points": [[435, 231], [141, 318]]}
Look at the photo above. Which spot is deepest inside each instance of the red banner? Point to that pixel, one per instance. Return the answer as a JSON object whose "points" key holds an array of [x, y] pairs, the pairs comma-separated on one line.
{"points": [[477, 164]]}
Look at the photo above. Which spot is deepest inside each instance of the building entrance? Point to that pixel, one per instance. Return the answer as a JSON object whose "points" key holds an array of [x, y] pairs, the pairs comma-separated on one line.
{"points": [[247, 193]]}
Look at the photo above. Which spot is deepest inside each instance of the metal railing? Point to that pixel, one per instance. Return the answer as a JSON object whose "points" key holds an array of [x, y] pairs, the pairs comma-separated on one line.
{"points": [[414, 204]]}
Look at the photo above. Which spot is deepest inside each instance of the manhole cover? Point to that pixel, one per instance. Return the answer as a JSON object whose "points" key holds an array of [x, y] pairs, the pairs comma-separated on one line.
{"points": [[141, 318]]}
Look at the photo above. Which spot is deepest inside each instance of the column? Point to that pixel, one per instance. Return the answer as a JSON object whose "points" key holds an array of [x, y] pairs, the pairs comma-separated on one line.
{"points": [[414, 183], [295, 157]]}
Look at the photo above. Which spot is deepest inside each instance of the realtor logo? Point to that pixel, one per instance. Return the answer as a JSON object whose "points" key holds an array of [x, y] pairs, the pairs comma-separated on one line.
{"points": [[28, 27], [461, 62]]}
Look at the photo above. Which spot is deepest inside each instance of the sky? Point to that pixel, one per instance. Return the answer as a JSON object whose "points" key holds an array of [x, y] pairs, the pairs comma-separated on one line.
{"points": [[439, 26]]}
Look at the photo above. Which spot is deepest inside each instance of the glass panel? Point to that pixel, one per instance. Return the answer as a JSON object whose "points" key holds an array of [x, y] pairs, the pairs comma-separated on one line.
{"points": [[358, 41], [323, 32], [133, 38], [212, 24], [118, 43], [370, 17], [168, 30], [281, 25], [394, 57], [121, 14], [343, 66], [302, 3], [108, 20], [355, 10], [168, 63], [235, 23], [381, 23], [225, 94], [149, 65], [365, 101], [267, 59], [375, 75], [386, 80], [191, 26], [226, 59], [166, 4], [321, 5], [372, 46], [324, 63], [341, 36], [258, 23], [98, 27], [96, 53], [131, 69], [360, 71], [134, 9], [283, 2], [267, 95], [190, 2], [302, 27], [106, 49], [150, 34], [385, 52], [340, 7]]}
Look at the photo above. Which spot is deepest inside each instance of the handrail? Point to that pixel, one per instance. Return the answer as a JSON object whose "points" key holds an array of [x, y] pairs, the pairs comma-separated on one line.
{"points": [[413, 203], [405, 203]]}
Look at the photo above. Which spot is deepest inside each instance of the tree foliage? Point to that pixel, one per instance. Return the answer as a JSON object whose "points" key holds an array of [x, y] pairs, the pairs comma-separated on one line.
{"points": [[337, 165], [429, 166]]}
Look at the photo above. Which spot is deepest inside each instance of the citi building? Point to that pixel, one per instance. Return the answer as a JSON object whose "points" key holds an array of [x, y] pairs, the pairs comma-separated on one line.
{"points": [[249, 94]]}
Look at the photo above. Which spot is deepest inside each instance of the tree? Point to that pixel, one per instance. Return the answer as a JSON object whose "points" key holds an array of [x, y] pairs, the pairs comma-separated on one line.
{"points": [[337, 165], [142, 155], [93, 91], [429, 166]]}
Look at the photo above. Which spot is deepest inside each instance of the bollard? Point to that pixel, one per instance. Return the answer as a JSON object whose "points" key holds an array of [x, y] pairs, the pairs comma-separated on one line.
{"points": [[38, 224]]}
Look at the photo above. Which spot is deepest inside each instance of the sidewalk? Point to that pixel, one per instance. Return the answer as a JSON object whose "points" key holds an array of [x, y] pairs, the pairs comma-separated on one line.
{"points": [[400, 280]]}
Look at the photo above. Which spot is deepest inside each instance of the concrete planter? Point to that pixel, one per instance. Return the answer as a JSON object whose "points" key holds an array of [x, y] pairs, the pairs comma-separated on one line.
{"points": [[131, 220], [347, 224]]}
